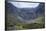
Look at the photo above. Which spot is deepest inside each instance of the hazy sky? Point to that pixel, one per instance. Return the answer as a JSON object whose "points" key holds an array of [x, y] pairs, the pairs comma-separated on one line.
{"points": [[24, 5]]}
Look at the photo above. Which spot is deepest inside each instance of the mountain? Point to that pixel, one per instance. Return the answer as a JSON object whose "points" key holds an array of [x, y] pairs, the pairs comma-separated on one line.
{"points": [[25, 13], [41, 9], [10, 8]]}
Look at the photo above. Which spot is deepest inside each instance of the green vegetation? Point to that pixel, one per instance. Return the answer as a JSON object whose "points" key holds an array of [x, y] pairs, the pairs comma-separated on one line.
{"points": [[30, 26], [39, 23]]}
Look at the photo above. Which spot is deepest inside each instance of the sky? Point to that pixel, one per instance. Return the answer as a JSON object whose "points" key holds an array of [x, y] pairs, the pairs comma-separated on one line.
{"points": [[24, 4]]}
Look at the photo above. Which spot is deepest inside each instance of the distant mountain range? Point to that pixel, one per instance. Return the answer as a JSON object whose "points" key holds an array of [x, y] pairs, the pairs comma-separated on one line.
{"points": [[25, 13]]}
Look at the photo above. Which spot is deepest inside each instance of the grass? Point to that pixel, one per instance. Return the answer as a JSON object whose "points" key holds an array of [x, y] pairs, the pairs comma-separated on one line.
{"points": [[39, 23]]}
